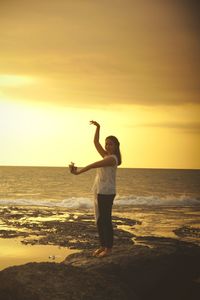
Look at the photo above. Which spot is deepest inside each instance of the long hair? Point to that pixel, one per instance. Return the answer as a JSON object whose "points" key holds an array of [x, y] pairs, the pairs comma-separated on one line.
{"points": [[117, 151]]}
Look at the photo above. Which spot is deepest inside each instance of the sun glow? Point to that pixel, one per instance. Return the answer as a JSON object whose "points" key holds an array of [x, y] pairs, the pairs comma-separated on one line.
{"points": [[50, 135], [7, 80], [44, 134]]}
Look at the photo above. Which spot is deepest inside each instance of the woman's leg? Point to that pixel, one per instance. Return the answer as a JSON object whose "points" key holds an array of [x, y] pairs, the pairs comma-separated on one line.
{"points": [[104, 222], [100, 225]]}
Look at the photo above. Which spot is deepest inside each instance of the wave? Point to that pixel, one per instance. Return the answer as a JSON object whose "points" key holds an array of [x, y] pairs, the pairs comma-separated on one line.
{"points": [[87, 203], [153, 200], [71, 203]]}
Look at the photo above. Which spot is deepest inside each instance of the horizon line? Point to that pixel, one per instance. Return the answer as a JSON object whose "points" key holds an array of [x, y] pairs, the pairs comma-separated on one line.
{"points": [[145, 168]]}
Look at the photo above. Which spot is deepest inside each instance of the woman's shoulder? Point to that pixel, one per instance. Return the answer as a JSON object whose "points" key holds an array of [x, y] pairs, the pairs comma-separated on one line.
{"points": [[112, 155]]}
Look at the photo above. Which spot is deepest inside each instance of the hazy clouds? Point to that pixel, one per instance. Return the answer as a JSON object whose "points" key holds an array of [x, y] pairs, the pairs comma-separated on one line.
{"points": [[186, 127], [95, 52]]}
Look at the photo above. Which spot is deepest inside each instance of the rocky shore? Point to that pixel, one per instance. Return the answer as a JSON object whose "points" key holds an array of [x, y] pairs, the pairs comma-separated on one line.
{"points": [[170, 271], [161, 268]]}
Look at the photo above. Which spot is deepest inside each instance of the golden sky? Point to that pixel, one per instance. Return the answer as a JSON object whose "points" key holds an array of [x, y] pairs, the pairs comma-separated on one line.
{"points": [[131, 65]]}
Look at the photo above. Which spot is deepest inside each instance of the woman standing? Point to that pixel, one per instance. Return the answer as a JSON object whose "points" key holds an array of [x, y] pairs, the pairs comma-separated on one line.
{"points": [[104, 188]]}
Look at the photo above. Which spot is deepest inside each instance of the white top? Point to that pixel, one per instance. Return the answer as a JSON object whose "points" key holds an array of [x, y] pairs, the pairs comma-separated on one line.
{"points": [[105, 181]]}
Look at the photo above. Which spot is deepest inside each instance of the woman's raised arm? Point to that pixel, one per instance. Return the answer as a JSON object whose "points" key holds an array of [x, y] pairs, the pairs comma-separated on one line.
{"points": [[97, 144]]}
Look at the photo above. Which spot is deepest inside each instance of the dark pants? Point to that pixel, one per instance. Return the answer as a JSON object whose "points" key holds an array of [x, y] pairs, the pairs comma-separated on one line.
{"points": [[104, 221]]}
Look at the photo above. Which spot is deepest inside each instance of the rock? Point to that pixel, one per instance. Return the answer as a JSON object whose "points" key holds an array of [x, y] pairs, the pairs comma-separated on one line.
{"points": [[130, 273]]}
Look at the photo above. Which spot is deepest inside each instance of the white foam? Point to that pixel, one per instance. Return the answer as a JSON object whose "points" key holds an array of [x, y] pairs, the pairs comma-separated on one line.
{"points": [[172, 200], [71, 203], [120, 201]]}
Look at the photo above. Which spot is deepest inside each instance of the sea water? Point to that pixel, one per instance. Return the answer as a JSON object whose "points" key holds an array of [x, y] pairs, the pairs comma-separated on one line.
{"points": [[52, 186]]}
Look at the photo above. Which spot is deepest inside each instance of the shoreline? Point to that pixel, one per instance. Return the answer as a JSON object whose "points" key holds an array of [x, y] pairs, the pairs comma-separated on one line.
{"points": [[68, 231], [150, 259], [62, 232]]}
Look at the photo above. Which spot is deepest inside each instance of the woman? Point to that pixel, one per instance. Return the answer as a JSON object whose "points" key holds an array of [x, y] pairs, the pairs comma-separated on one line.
{"points": [[104, 188]]}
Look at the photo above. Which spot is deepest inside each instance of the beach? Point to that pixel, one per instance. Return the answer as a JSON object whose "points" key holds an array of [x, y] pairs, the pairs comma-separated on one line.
{"points": [[57, 245], [64, 232], [48, 233]]}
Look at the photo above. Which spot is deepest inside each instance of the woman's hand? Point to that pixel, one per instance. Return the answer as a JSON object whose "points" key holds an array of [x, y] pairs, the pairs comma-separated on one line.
{"points": [[94, 123], [73, 169]]}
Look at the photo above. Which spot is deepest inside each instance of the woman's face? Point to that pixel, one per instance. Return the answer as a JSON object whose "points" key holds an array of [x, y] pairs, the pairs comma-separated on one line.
{"points": [[110, 146]]}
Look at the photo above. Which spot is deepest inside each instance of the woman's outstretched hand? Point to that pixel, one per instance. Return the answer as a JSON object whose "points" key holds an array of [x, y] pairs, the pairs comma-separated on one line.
{"points": [[73, 169], [94, 123]]}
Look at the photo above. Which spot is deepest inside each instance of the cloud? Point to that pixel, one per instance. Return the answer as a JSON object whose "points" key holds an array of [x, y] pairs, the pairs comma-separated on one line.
{"points": [[187, 127], [88, 52]]}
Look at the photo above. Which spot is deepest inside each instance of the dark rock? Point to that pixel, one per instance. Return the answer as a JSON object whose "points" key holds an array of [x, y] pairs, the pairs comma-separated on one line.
{"points": [[187, 231], [6, 234], [131, 272]]}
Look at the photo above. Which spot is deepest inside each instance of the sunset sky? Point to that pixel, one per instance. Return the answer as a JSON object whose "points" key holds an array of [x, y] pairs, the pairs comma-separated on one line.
{"points": [[133, 66]]}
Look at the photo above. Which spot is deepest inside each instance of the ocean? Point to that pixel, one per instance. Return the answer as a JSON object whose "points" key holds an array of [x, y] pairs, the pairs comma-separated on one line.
{"points": [[55, 186]]}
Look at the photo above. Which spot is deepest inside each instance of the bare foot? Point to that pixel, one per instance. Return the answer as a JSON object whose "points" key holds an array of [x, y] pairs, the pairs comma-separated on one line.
{"points": [[105, 252], [98, 251]]}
